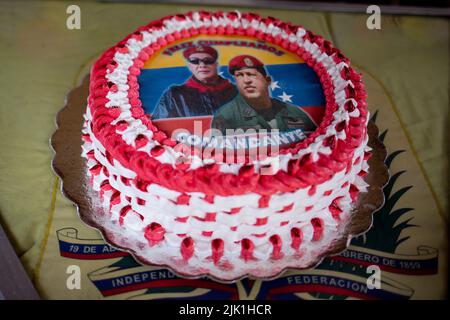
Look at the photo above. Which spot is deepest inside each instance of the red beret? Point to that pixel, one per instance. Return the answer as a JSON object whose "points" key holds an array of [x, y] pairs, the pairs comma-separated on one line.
{"points": [[200, 49], [245, 61]]}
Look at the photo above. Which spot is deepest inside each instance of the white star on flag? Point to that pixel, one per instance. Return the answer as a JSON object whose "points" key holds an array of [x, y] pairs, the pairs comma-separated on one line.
{"points": [[274, 85], [285, 97], [221, 73]]}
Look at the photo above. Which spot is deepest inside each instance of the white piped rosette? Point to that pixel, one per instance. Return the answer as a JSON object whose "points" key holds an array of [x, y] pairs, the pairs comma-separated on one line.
{"points": [[202, 217]]}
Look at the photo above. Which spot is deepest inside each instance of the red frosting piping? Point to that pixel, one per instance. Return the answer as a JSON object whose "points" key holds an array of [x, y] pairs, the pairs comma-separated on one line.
{"points": [[210, 181]]}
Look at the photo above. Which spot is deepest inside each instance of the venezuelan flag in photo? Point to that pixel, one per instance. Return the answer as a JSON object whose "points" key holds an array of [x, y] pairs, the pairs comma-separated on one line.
{"points": [[293, 81]]}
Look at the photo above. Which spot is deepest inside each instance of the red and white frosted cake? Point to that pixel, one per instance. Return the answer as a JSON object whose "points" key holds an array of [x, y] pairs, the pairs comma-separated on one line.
{"points": [[203, 217]]}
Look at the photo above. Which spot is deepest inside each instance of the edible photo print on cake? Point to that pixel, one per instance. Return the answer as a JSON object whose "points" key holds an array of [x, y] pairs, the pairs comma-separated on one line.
{"points": [[231, 90]]}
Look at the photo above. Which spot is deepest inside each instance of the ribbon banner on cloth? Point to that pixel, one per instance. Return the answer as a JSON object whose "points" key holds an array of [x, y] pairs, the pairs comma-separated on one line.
{"points": [[114, 280], [423, 263], [158, 283], [70, 246], [333, 283], [126, 275]]}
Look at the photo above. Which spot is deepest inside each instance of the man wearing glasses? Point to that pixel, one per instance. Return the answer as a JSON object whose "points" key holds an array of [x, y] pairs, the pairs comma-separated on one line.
{"points": [[202, 94]]}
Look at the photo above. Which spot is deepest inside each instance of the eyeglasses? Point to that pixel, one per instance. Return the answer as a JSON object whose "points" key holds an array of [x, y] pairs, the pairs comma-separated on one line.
{"points": [[207, 61]]}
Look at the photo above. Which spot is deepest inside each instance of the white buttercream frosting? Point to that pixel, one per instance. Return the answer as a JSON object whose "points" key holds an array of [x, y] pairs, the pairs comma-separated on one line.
{"points": [[159, 204]]}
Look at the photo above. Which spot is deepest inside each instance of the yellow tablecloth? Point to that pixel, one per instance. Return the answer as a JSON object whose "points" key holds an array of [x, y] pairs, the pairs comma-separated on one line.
{"points": [[405, 65]]}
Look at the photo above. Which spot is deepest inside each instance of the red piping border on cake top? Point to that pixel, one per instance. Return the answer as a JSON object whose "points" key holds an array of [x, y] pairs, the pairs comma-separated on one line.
{"points": [[302, 172]]}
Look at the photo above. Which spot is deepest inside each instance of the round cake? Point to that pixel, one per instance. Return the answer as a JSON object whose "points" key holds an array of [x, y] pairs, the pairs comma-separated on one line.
{"points": [[203, 213]]}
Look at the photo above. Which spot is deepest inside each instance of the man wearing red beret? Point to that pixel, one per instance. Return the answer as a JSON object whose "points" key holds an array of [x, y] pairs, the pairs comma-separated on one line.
{"points": [[253, 107], [202, 94]]}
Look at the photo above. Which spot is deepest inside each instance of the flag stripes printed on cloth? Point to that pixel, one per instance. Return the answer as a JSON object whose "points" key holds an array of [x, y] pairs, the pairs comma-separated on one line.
{"points": [[128, 276], [423, 263]]}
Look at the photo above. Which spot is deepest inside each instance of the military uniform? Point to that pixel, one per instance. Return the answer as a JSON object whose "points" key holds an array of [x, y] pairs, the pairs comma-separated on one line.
{"points": [[194, 99], [238, 114]]}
